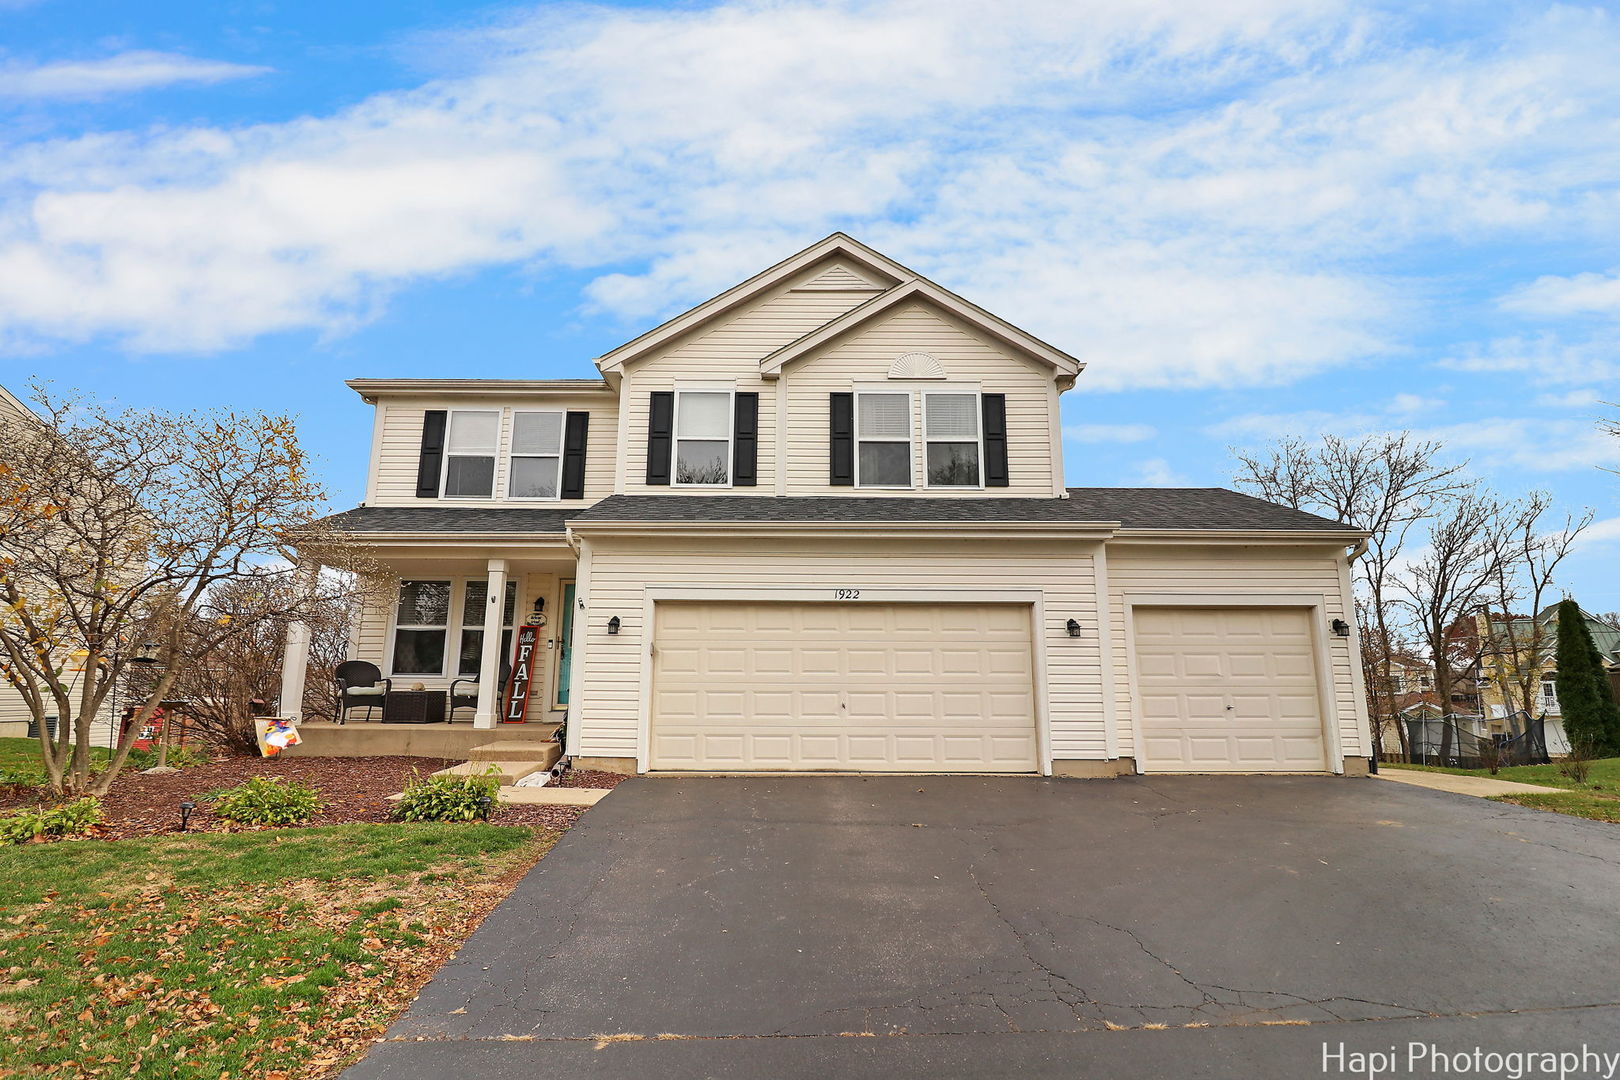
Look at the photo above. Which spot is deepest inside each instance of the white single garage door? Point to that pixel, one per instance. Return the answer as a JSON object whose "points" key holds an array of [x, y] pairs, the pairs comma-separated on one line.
{"points": [[778, 687], [1228, 690]]}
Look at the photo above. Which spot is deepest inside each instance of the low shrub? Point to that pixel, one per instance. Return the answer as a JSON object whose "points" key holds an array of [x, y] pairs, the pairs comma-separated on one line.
{"points": [[448, 798], [180, 757], [30, 776], [50, 822], [267, 800]]}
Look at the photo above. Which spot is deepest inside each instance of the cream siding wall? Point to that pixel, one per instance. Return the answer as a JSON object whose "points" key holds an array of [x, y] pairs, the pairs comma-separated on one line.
{"points": [[610, 682], [729, 352], [1250, 571], [14, 714], [864, 356], [399, 446]]}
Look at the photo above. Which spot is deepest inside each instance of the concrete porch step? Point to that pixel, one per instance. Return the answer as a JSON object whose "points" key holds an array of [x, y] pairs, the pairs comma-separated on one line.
{"points": [[510, 772], [513, 750]]}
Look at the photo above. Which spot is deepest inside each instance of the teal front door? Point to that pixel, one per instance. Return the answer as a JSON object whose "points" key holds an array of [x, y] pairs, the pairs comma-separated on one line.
{"points": [[565, 643]]}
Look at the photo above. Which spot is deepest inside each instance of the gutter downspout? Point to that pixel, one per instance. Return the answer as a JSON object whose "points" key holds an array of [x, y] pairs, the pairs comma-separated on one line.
{"points": [[1355, 553]]}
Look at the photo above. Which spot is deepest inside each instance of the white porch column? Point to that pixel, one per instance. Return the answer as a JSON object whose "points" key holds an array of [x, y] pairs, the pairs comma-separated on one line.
{"points": [[294, 668], [295, 656], [489, 668]]}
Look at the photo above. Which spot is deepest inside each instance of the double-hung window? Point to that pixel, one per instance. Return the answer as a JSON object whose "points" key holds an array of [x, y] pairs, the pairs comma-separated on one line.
{"points": [[882, 439], [536, 457], [421, 626], [469, 453], [951, 439], [1549, 694], [474, 596], [703, 435]]}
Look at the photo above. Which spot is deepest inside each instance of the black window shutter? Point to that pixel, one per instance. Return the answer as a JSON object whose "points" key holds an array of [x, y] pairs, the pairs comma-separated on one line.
{"points": [[841, 445], [573, 458], [745, 451], [431, 463], [994, 407], [660, 436]]}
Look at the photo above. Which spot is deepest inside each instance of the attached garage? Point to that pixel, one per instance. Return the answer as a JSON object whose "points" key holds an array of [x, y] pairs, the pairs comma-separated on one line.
{"points": [[856, 686], [1228, 689]]}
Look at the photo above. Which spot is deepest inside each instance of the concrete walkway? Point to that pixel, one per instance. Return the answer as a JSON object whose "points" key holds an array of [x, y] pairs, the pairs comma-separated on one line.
{"points": [[1482, 786]]}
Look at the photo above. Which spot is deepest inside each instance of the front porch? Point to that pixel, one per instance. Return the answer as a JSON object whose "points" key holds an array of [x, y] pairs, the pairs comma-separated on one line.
{"points": [[443, 635]]}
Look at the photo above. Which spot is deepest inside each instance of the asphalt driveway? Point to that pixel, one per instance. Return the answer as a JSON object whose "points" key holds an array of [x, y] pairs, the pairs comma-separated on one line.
{"points": [[940, 927]]}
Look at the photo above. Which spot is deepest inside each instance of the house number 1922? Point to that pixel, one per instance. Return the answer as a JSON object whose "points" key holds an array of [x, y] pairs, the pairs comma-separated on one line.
{"points": [[847, 594]]}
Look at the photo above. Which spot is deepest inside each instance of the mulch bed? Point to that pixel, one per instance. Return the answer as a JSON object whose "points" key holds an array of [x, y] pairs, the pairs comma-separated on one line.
{"points": [[353, 789], [590, 778]]}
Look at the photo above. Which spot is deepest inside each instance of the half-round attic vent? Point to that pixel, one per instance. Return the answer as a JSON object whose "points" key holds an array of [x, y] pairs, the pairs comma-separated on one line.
{"points": [[916, 365]]}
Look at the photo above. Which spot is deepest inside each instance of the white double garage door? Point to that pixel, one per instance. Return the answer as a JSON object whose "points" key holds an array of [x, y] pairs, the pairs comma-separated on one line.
{"points": [[741, 686]]}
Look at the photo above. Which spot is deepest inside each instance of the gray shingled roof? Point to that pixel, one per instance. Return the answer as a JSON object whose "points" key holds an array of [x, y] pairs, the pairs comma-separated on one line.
{"points": [[1133, 508], [429, 518]]}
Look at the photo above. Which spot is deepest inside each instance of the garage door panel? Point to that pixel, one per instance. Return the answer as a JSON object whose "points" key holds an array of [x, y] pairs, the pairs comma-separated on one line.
{"points": [[1228, 689], [884, 687]]}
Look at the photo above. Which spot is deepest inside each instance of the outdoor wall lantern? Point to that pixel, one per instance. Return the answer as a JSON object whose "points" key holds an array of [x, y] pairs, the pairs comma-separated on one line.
{"points": [[1074, 628], [613, 625], [537, 617], [1341, 628], [185, 813]]}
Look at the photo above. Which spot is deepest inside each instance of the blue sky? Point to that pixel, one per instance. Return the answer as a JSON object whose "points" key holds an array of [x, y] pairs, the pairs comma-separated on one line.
{"points": [[1261, 219]]}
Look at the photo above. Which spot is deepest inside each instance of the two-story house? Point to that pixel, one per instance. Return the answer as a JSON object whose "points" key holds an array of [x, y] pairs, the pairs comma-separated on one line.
{"points": [[819, 522], [1522, 651]]}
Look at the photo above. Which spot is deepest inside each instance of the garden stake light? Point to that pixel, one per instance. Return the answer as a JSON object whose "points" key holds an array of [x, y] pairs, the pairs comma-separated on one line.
{"points": [[483, 808], [185, 813]]}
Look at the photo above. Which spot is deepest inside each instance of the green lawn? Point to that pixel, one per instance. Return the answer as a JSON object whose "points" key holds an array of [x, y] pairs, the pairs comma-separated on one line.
{"points": [[1605, 775], [20, 757], [269, 954], [1574, 803]]}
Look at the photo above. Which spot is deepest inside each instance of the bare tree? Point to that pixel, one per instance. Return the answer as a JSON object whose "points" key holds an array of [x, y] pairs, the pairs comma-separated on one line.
{"points": [[117, 528], [1446, 582], [1386, 484], [1526, 569], [232, 679]]}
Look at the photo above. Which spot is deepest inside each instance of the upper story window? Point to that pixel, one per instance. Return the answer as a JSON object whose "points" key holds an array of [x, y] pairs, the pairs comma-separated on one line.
{"points": [[536, 456], [882, 439], [703, 437], [951, 438], [1549, 693], [469, 453]]}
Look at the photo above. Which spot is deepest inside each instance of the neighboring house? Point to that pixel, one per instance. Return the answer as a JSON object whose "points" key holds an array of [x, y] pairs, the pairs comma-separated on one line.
{"points": [[1523, 645], [1409, 699], [819, 522], [14, 712]]}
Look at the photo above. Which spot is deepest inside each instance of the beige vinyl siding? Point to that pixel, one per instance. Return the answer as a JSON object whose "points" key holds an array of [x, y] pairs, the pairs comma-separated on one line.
{"points": [[14, 714], [1249, 571], [610, 681], [863, 358], [728, 352], [399, 446]]}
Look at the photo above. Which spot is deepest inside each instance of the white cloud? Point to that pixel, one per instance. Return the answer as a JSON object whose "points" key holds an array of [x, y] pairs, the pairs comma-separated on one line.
{"points": [[1109, 433], [1157, 472], [1180, 194], [1544, 358], [124, 73], [1402, 410], [1599, 533], [1579, 294], [1570, 399]]}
